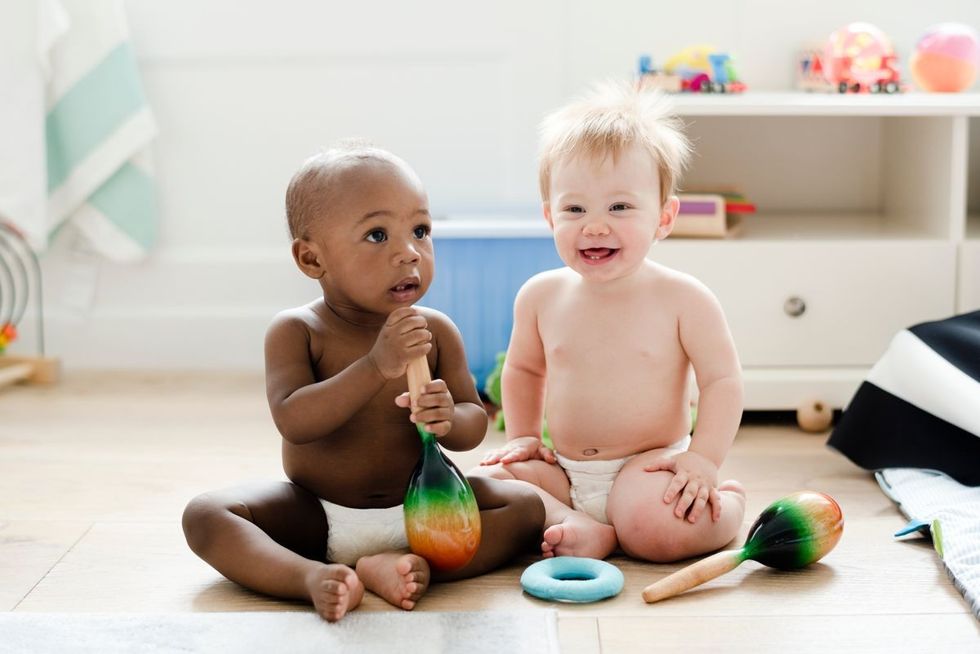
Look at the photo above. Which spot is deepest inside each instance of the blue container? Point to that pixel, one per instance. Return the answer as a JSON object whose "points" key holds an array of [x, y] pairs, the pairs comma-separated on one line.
{"points": [[475, 285]]}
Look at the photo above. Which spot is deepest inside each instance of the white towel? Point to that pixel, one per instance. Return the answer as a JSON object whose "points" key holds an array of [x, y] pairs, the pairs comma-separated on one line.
{"points": [[932, 497], [95, 130]]}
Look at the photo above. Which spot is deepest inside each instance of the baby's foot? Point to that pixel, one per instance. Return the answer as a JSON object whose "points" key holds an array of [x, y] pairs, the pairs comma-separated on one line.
{"points": [[334, 590], [400, 579], [579, 535]]}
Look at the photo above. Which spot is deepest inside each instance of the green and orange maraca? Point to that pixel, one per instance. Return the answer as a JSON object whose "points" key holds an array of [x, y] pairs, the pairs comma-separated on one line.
{"points": [[791, 533], [442, 519]]}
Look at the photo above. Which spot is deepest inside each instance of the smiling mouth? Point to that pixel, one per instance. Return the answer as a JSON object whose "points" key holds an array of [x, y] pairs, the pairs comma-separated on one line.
{"points": [[598, 255]]}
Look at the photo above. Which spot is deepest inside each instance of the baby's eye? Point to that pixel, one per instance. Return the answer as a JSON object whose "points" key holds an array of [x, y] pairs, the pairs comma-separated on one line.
{"points": [[575, 209], [421, 231], [619, 206], [377, 236]]}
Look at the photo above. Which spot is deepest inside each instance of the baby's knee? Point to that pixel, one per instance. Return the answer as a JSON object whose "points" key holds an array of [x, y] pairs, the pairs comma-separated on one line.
{"points": [[203, 514], [660, 536], [495, 471]]}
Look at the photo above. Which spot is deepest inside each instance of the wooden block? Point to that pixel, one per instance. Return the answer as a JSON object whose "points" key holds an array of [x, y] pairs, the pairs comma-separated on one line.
{"points": [[704, 216], [41, 370]]}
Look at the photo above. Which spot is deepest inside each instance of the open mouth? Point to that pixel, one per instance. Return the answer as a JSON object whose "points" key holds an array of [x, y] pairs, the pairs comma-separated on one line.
{"points": [[598, 255], [405, 290]]}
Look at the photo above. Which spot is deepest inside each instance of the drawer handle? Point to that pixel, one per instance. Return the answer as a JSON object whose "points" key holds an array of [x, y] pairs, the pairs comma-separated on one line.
{"points": [[794, 307]]}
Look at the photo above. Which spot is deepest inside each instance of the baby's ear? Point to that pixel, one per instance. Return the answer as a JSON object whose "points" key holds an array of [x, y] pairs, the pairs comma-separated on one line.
{"points": [[308, 258], [546, 208], [667, 217]]}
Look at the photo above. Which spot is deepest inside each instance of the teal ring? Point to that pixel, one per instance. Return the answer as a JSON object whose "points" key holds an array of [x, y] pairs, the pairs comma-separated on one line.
{"points": [[572, 579]]}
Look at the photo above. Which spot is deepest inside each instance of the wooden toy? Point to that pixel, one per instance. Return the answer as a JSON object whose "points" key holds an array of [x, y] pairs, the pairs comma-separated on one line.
{"points": [[20, 279], [814, 416], [791, 533], [442, 519], [713, 215]]}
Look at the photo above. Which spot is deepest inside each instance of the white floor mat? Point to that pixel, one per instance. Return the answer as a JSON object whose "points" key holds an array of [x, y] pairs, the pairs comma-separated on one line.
{"points": [[531, 632]]}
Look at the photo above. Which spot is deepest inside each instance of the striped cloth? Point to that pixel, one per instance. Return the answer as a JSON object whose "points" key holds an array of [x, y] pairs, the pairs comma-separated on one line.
{"points": [[97, 130], [920, 405]]}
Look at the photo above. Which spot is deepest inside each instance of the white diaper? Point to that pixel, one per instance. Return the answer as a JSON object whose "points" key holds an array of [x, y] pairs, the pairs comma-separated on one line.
{"points": [[353, 533], [591, 481]]}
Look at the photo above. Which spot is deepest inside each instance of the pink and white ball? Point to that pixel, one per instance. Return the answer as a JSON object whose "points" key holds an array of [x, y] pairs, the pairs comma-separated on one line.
{"points": [[946, 58]]}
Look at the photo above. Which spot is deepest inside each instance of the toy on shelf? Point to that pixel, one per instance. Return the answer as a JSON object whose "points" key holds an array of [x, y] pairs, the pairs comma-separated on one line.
{"points": [[713, 215], [20, 283], [697, 69], [946, 58], [791, 533], [442, 520], [858, 58], [809, 71]]}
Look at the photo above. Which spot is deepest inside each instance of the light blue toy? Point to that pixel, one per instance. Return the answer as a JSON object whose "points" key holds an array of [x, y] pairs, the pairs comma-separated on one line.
{"points": [[572, 579]]}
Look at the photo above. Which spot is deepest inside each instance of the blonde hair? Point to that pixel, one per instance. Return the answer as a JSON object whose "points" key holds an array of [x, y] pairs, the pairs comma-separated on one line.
{"points": [[610, 119]]}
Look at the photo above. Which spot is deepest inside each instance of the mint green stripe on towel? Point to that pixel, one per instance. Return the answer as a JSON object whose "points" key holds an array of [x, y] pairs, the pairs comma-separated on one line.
{"points": [[91, 110], [127, 199]]}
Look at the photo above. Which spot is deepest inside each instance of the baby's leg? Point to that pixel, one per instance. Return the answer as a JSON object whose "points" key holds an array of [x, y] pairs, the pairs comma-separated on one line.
{"points": [[272, 538], [647, 527], [567, 532]]}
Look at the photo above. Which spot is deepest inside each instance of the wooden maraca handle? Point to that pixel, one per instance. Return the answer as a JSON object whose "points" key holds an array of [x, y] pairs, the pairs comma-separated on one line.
{"points": [[693, 575], [418, 376]]}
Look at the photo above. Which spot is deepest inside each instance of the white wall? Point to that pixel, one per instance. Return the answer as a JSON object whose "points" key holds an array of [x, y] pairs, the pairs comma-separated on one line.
{"points": [[244, 90]]}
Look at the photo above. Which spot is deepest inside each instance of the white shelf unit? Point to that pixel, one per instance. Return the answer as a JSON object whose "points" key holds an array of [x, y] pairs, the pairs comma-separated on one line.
{"points": [[969, 271], [862, 223]]}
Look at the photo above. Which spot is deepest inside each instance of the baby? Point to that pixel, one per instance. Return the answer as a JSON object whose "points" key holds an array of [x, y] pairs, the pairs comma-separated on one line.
{"points": [[335, 380], [604, 346]]}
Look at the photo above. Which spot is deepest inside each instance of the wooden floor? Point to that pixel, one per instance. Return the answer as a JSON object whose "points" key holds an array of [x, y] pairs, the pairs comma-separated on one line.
{"points": [[95, 471]]}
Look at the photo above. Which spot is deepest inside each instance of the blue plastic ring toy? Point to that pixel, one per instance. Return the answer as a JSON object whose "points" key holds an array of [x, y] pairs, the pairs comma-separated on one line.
{"points": [[572, 579]]}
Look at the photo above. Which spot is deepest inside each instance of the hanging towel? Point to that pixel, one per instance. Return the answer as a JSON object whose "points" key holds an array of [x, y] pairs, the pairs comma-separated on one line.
{"points": [[98, 129], [28, 29]]}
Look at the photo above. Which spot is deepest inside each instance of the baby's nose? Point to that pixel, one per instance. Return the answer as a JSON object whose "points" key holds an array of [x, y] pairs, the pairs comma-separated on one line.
{"points": [[407, 254], [596, 228]]}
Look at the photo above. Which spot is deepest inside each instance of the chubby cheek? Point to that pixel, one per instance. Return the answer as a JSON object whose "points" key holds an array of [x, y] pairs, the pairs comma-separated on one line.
{"points": [[427, 266], [565, 242]]}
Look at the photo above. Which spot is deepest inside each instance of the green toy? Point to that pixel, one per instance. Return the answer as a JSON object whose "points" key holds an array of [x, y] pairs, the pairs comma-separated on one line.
{"points": [[492, 389]]}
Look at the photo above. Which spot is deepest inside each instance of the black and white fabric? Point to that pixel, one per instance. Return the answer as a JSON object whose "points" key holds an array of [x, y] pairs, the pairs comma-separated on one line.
{"points": [[920, 405]]}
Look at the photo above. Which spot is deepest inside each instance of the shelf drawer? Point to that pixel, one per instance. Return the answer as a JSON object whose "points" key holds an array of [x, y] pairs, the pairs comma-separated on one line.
{"points": [[819, 303]]}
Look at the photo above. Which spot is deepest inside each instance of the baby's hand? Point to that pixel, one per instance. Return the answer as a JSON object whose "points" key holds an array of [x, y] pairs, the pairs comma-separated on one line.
{"points": [[520, 449], [403, 338], [695, 481], [435, 407]]}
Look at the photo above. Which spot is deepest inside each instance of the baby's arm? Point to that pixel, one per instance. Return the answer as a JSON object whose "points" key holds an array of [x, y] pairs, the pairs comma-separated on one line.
{"points": [[708, 343], [706, 340], [523, 383], [450, 406], [306, 410]]}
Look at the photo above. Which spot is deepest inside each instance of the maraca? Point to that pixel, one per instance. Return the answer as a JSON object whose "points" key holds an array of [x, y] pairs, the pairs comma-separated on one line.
{"points": [[792, 532], [442, 519]]}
